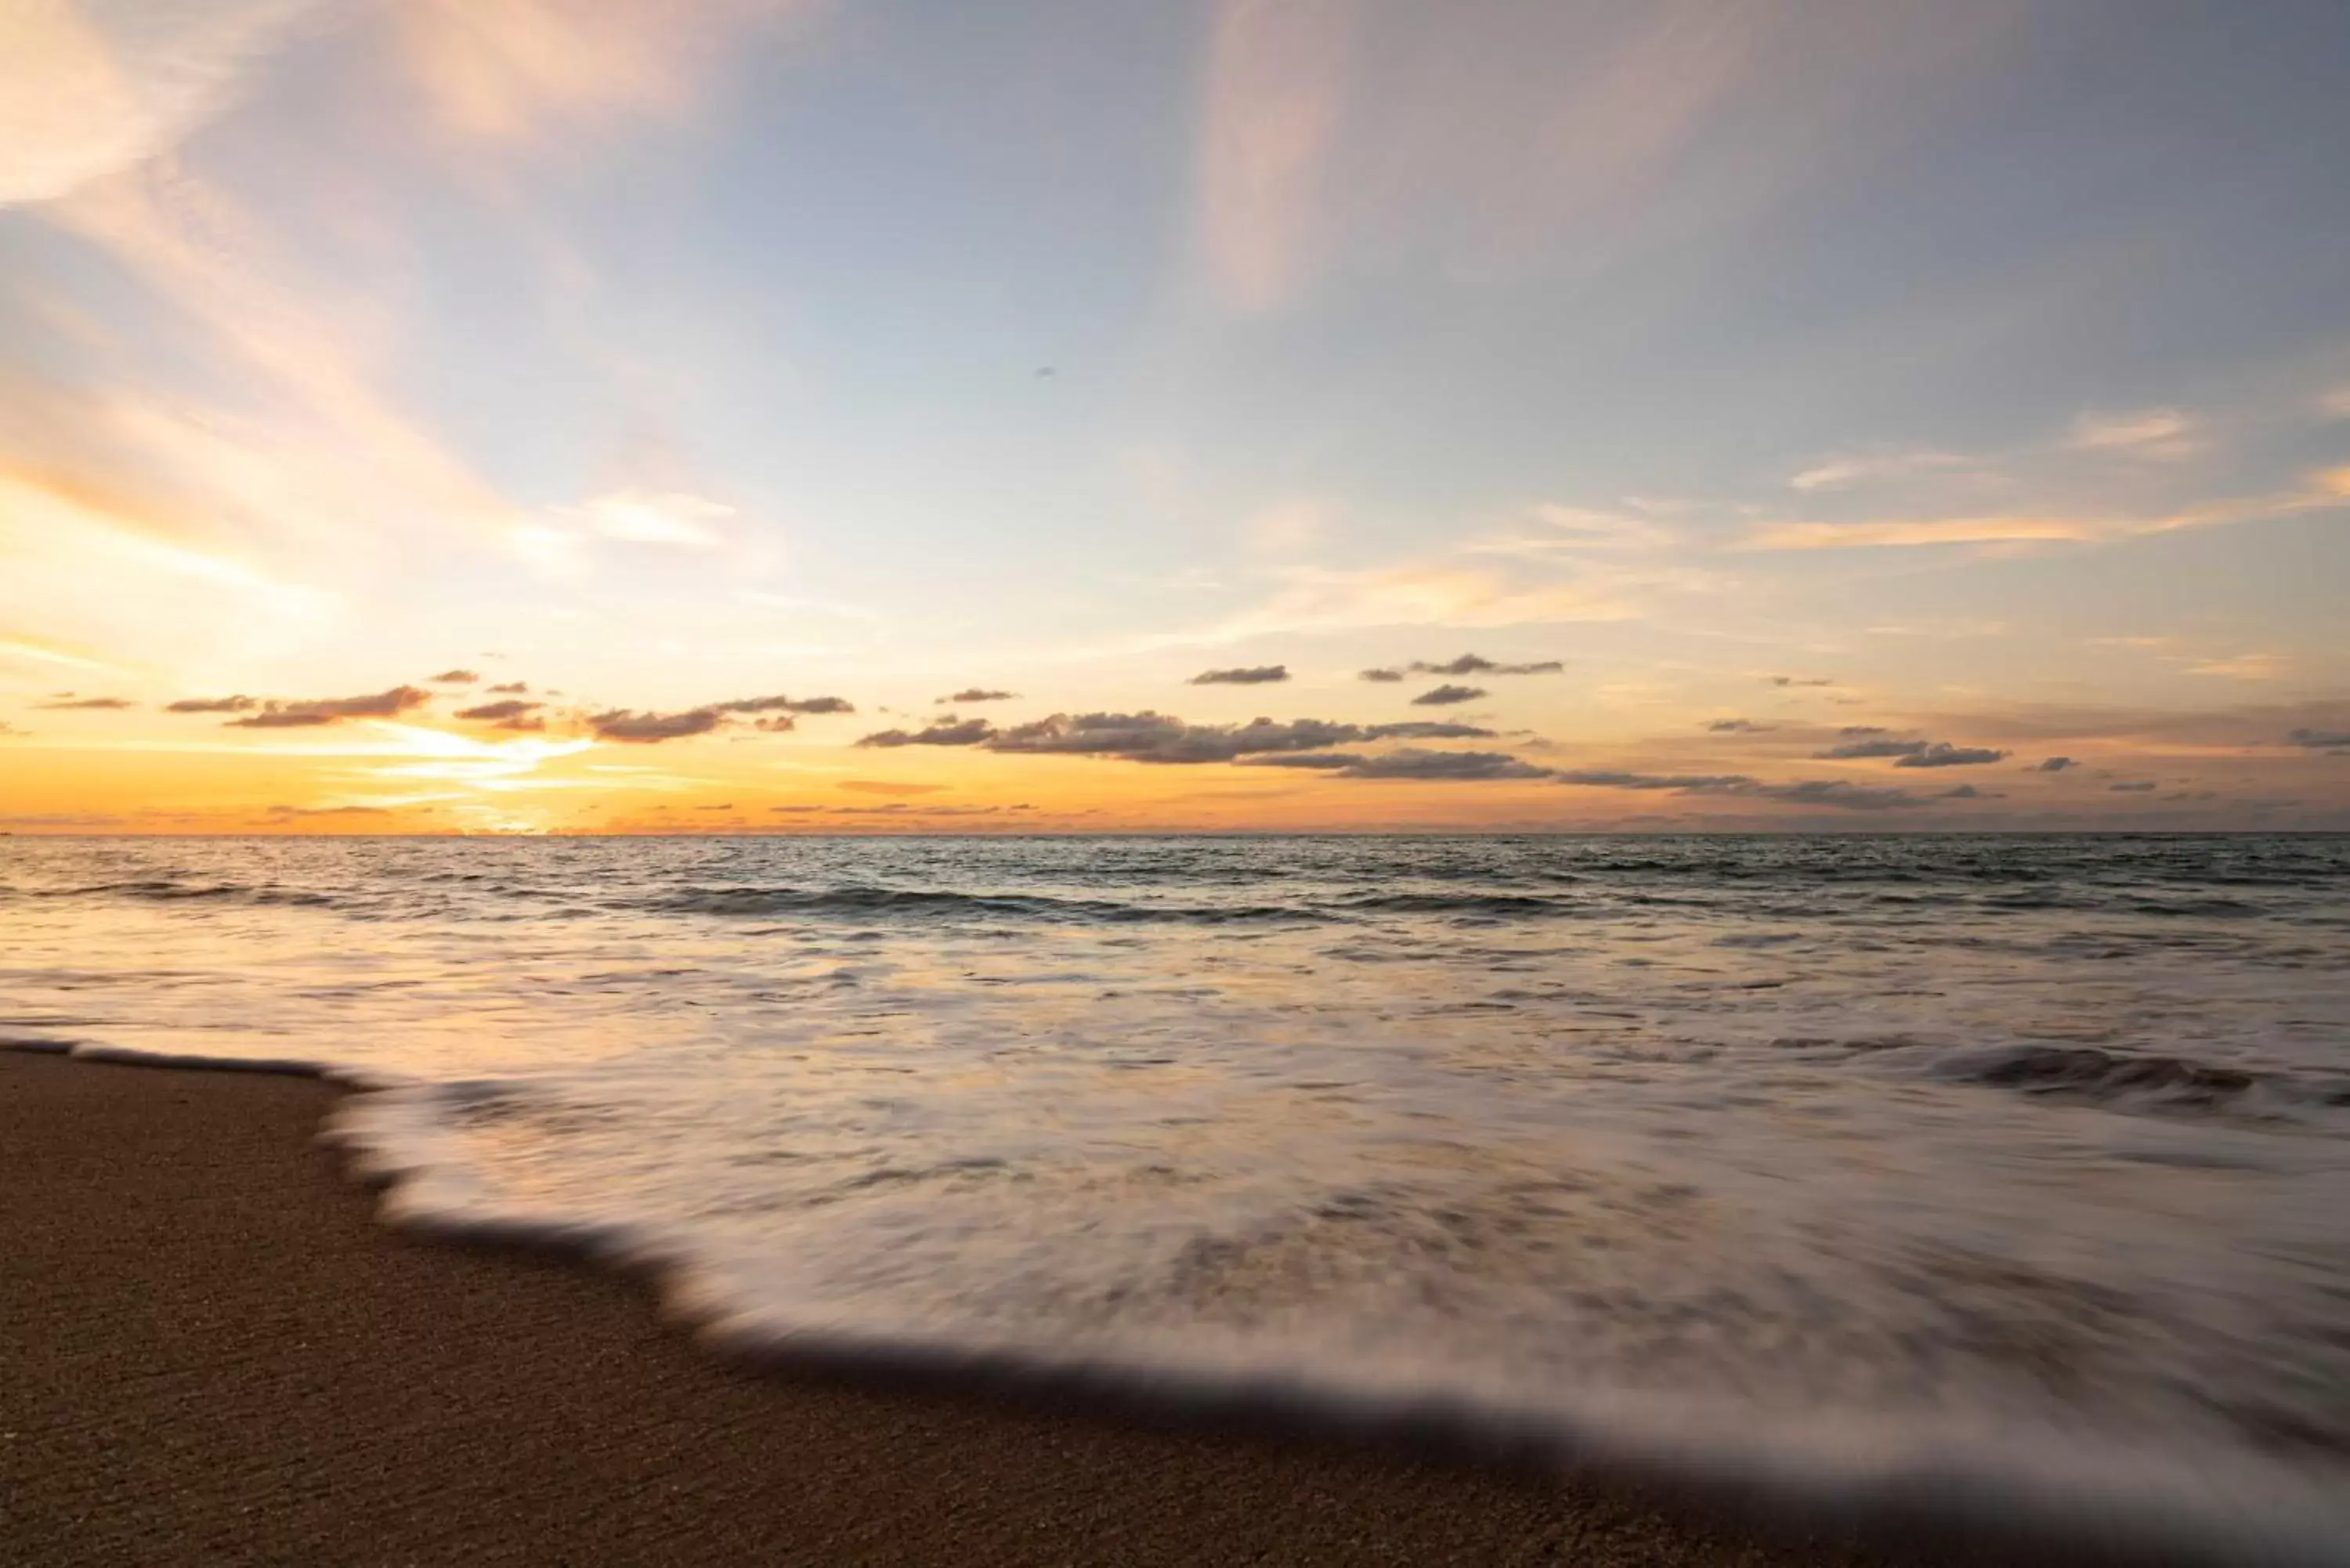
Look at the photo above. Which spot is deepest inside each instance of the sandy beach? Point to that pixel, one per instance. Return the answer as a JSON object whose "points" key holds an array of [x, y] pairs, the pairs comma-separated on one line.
{"points": [[209, 1352]]}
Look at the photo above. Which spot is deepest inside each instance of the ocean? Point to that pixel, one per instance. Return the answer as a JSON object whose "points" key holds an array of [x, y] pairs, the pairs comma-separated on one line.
{"points": [[2007, 1171]]}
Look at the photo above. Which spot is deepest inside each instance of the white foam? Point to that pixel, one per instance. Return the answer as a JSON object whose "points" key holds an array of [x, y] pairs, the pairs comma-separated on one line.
{"points": [[404, 1135]]}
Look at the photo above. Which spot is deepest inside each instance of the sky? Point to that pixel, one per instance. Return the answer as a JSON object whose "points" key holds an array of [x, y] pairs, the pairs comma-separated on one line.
{"points": [[790, 416]]}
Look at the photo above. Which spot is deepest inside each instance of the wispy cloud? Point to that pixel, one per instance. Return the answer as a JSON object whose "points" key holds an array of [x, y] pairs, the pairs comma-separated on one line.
{"points": [[1277, 90], [88, 90], [511, 73], [2149, 432], [2245, 667], [1250, 675]]}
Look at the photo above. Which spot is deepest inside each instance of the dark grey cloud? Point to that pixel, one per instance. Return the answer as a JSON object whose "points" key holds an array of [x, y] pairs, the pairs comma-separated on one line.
{"points": [[1153, 737], [631, 728], [1854, 732], [948, 730], [1800, 680], [512, 688], [1383, 676], [67, 700], [2321, 740], [513, 713], [1942, 754], [1249, 675], [1445, 696], [295, 715], [1855, 750], [2135, 787], [1737, 727], [1473, 664], [1150, 737], [211, 705], [455, 678], [1968, 792], [1839, 793], [2055, 765], [981, 694], [780, 704], [1910, 753], [1412, 763], [1680, 783]]}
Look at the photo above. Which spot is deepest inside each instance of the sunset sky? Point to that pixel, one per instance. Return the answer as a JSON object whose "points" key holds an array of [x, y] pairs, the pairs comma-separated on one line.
{"points": [[725, 415]]}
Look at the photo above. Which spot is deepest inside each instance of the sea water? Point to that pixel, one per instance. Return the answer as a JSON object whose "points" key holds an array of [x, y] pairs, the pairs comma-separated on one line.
{"points": [[2012, 1170]]}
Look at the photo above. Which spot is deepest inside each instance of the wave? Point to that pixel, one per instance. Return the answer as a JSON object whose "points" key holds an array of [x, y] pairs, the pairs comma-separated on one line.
{"points": [[2026, 1495], [866, 902], [2133, 1081], [164, 890]]}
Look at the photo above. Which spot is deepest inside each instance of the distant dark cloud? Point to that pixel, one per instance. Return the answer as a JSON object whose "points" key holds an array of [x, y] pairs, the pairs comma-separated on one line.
{"points": [[294, 715], [1473, 664], [1388, 676], [1445, 696], [1942, 754], [947, 731], [1683, 784], [1800, 681], [1838, 793], [2055, 765], [1910, 753], [631, 728], [455, 678], [1966, 792], [105, 703], [1853, 750], [2135, 787], [2321, 740], [211, 705], [1854, 732], [1149, 737], [510, 714], [1737, 727], [981, 694], [286, 811], [1153, 737], [1250, 675], [490, 712], [1412, 763], [780, 704], [512, 688]]}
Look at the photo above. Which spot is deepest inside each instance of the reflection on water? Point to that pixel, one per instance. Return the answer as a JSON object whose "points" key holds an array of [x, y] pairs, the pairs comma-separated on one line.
{"points": [[1982, 1146]]}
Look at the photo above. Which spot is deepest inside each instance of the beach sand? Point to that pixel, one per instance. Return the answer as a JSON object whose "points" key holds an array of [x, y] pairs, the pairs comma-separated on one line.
{"points": [[211, 1353]]}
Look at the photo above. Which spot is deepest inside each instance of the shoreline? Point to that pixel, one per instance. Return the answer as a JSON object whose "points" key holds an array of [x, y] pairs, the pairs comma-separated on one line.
{"points": [[211, 1348]]}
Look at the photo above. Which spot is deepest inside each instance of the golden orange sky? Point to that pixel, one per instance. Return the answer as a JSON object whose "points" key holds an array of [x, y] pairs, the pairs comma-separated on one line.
{"points": [[1787, 417]]}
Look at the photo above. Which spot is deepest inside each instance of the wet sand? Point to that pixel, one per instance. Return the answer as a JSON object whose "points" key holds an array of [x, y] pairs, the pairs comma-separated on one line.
{"points": [[211, 1353]]}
